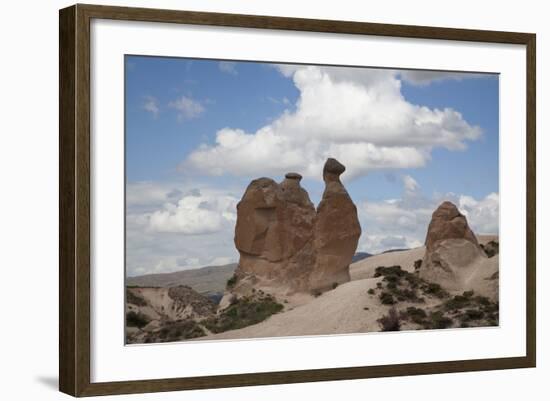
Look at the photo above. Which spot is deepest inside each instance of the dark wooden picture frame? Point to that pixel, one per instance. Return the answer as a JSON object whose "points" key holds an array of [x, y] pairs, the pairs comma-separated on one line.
{"points": [[74, 199]]}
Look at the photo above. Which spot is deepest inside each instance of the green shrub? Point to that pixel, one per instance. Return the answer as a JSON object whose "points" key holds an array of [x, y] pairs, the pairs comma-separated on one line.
{"points": [[391, 271], [417, 315], [439, 321], [178, 330], [370, 291], [457, 302], [474, 314], [390, 322], [386, 298], [244, 312], [482, 300], [232, 281], [391, 285], [435, 290], [138, 319], [134, 299]]}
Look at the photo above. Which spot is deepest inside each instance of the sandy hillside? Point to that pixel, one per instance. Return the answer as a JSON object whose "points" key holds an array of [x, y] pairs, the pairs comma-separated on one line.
{"points": [[350, 308], [338, 311]]}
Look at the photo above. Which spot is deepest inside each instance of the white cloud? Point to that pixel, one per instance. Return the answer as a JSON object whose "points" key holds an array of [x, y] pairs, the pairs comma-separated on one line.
{"points": [[194, 214], [403, 222], [187, 108], [144, 193], [163, 233], [151, 105], [358, 116], [410, 184], [483, 215], [381, 243], [228, 67]]}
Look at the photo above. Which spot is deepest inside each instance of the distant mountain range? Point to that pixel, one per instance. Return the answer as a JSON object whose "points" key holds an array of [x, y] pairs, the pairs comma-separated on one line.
{"points": [[360, 256], [209, 280]]}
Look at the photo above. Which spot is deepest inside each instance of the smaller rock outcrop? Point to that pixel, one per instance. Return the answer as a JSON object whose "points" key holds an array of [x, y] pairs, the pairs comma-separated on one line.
{"points": [[452, 250], [448, 223]]}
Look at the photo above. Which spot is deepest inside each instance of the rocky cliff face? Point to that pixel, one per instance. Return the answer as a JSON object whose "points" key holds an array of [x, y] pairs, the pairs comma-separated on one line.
{"points": [[285, 245], [155, 314]]}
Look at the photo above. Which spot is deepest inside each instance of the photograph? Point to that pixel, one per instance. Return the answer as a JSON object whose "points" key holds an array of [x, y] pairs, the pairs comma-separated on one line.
{"points": [[271, 199]]}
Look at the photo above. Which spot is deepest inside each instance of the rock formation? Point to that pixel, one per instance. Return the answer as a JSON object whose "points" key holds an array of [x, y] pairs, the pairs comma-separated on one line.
{"points": [[448, 223], [274, 235], [285, 245], [451, 248], [337, 231]]}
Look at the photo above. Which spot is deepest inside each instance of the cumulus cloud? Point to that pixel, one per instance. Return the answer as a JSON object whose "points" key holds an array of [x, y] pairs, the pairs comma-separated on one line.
{"points": [[187, 108], [381, 243], [483, 214], [358, 116], [229, 67], [176, 226], [151, 105], [403, 222], [194, 214]]}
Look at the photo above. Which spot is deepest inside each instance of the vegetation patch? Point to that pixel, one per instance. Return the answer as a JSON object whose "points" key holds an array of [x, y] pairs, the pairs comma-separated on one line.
{"points": [[243, 312], [232, 281], [435, 290], [176, 331], [416, 315], [464, 310], [134, 299], [390, 322], [404, 286], [136, 319], [386, 298], [491, 248], [438, 320]]}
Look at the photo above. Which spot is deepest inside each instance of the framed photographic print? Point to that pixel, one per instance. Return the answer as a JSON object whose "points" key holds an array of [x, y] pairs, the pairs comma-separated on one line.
{"points": [[297, 200]]}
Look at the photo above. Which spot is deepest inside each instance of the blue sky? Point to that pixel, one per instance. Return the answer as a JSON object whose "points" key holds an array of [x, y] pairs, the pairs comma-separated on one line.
{"points": [[197, 132]]}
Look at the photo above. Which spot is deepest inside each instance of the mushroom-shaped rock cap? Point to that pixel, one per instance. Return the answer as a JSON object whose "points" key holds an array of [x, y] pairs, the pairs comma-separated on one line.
{"points": [[293, 176], [333, 166]]}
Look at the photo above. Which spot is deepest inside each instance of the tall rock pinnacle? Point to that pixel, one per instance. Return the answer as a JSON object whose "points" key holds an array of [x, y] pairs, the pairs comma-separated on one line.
{"points": [[285, 245]]}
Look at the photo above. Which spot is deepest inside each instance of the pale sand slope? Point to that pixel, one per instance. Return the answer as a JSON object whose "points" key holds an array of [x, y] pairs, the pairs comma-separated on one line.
{"points": [[337, 311]]}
